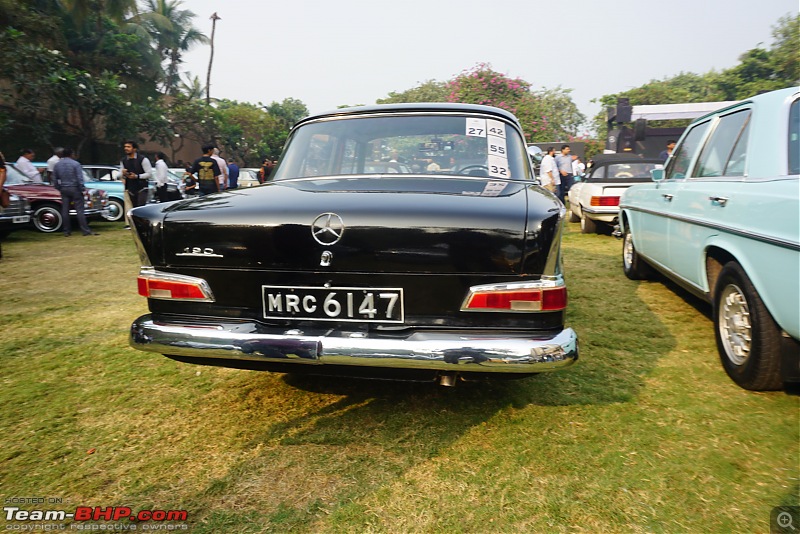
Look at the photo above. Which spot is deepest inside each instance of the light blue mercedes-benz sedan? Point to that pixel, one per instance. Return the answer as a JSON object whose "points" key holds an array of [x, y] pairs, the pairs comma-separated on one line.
{"points": [[723, 221]]}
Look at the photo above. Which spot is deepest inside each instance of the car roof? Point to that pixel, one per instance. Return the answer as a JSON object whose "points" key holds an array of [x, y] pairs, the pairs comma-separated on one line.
{"points": [[414, 107], [763, 98]]}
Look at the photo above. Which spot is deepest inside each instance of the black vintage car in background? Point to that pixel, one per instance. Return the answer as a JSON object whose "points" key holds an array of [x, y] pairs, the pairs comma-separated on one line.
{"points": [[401, 241]]}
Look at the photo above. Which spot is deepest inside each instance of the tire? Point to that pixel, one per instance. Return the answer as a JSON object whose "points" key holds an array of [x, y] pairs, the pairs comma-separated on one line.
{"points": [[588, 226], [633, 265], [748, 340], [47, 218], [115, 210], [573, 217]]}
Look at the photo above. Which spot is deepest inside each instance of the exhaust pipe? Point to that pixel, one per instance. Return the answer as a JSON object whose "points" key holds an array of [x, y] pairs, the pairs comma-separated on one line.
{"points": [[447, 379]]}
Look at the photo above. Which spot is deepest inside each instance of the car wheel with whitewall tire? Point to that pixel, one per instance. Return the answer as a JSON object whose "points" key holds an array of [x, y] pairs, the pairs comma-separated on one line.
{"points": [[115, 210], [588, 226], [47, 218], [633, 265], [748, 339]]}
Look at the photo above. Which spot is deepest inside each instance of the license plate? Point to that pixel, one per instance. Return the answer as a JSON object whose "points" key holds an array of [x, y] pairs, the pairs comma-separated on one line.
{"points": [[371, 305], [19, 219]]}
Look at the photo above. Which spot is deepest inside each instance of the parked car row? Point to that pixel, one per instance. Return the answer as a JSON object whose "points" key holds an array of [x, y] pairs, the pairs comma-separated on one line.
{"points": [[45, 201], [104, 197]]}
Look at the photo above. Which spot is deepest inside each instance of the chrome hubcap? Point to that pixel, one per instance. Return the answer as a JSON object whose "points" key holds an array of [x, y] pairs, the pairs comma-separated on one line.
{"points": [[627, 250], [734, 324], [113, 211]]}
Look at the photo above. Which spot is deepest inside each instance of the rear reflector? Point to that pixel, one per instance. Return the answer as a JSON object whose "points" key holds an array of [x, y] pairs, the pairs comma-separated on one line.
{"points": [[604, 201], [168, 286], [505, 298]]}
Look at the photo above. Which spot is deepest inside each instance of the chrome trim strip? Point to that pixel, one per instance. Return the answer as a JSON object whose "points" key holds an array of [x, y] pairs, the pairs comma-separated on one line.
{"points": [[792, 245], [610, 210], [505, 352]]}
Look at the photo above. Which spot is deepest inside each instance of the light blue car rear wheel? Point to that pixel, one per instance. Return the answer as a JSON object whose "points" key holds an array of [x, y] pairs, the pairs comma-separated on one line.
{"points": [[748, 339]]}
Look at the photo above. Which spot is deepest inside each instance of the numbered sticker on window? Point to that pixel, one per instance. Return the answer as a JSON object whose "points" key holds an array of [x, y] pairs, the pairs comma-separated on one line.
{"points": [[493, 189], [498, 167], [497, 146], [496, 128], [476, 127]]}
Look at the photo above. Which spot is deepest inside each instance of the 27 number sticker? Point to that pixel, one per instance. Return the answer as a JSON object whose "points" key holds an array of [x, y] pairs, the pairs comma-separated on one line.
{"points": [[476, 127]]}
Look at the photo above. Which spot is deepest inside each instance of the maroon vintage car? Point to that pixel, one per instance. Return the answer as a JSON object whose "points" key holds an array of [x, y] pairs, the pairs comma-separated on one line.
{"points": [[45, 201]]}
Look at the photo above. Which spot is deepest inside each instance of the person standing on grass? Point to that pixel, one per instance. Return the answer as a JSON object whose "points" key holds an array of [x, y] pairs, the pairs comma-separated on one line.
{"points": [[136, 171], [207, 171], [68, 179], [233, 175], [564, 165], [549, 176], [161, 177]]}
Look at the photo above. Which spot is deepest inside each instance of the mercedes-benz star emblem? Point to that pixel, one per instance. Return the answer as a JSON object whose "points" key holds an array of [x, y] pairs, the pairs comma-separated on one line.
{"points": [[327, 229]]}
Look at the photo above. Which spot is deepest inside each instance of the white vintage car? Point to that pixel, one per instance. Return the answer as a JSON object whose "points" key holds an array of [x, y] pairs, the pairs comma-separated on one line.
{"points": [[595, 199]]}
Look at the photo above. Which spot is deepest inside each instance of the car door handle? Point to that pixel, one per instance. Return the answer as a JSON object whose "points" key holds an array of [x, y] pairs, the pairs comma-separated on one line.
{"points": [[667, 197], [718, 200]]}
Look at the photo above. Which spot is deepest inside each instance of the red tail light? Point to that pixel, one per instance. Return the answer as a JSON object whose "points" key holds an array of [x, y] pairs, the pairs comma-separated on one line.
{"points": [[156, 285], [604, 201], [523, 297]]}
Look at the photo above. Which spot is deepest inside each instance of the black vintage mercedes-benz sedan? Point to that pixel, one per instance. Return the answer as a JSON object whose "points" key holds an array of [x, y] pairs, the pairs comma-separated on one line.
{"points": [[400, 241]]}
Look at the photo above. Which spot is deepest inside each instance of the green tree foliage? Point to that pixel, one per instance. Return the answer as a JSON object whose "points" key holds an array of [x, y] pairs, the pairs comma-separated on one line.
{"points": [[90, 69], [758, 70], [428, 91]]}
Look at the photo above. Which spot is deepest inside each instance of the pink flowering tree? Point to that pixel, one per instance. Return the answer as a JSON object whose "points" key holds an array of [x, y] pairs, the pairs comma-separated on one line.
{"points": [[546, 115]]}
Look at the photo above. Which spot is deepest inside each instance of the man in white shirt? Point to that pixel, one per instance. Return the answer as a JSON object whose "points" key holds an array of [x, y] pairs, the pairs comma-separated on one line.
{"points": [[548, 174], [51, 163], [161, 177], [223, 166], [578, 167], [25, 166]]}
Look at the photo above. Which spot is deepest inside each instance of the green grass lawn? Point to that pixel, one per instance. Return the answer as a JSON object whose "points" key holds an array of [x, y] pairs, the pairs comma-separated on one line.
{"points": [[644, 434]]}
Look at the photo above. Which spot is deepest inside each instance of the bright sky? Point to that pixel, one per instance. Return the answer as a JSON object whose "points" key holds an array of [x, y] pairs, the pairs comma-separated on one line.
{"points": [[334, 52]]}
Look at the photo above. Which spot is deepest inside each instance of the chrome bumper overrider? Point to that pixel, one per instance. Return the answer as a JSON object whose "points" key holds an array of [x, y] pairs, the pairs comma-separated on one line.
{"points": [[446, 351]]}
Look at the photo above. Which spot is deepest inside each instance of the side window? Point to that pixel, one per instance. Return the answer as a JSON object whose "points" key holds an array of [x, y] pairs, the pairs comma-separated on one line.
{"points": [[726, 139], [600, 172], [794, 138], [678, 165], [735, 165]]}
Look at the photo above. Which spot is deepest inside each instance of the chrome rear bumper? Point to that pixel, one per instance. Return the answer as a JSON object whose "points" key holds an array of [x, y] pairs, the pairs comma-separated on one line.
{"points": [[500, 352]]}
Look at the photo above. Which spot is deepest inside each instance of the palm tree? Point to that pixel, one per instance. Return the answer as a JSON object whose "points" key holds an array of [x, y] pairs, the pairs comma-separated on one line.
{"points": [[116, 10], [174, 35], [214, 19]]}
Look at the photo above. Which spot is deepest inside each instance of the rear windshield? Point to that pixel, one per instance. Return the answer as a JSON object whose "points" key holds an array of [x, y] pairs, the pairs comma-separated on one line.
{"points": [[406, 144], [625, 171]]}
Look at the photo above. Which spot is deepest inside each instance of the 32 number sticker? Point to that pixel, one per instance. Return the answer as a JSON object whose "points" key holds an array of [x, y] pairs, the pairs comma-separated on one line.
{"points": [[498, 167]]}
